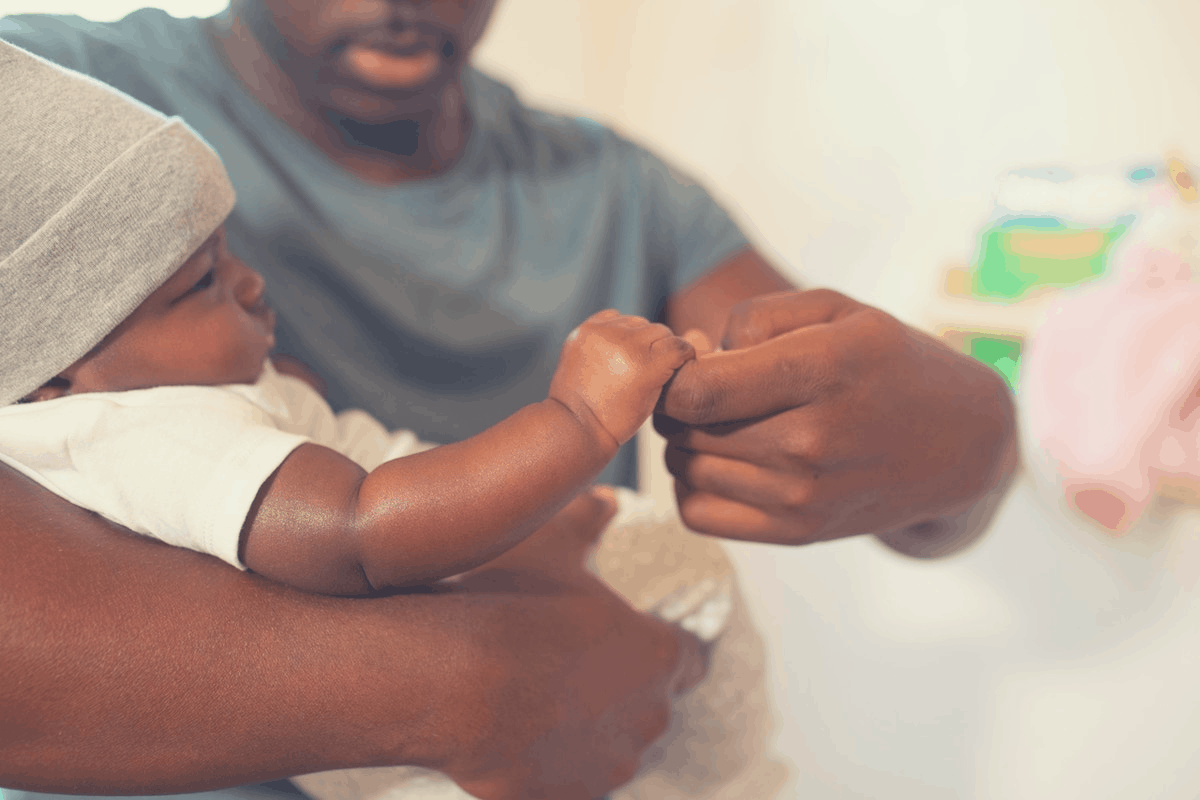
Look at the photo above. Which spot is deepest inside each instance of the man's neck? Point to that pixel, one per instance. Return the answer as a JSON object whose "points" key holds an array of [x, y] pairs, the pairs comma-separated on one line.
{"points": [[419, 147]]}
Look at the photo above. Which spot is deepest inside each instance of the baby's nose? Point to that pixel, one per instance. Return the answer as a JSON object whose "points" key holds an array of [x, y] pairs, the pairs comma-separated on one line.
{"points": [[250, 287]]}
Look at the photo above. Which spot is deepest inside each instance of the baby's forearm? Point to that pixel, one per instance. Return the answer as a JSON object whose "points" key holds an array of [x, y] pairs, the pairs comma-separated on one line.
{"points": [[442, 512], [320, 523]]}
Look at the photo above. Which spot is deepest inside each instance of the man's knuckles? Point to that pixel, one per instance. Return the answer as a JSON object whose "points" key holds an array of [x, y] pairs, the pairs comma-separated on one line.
{"points": [[748, 324], [795, 496], [805, 445], [785, 493], [758, 319], [695, 396]]}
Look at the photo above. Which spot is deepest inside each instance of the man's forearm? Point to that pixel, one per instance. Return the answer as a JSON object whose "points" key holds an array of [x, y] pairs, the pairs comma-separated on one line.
{"points": [[132, 667]]}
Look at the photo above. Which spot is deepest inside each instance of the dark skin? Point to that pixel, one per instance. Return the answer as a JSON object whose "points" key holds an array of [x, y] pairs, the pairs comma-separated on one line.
{"points": [[824, 418], [321, 523], [827, 418], [527, 679]]}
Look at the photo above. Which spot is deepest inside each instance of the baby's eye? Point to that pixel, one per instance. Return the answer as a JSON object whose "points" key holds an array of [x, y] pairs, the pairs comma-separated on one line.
{"points": [[204, 282]]}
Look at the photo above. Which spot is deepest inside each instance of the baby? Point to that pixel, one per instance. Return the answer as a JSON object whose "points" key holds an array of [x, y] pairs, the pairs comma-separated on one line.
{"points": [[135, 381], [131, 421]]}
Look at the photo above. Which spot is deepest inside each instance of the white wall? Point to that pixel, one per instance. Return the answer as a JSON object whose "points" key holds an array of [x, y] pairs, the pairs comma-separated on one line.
{"points": [[861, 138]]}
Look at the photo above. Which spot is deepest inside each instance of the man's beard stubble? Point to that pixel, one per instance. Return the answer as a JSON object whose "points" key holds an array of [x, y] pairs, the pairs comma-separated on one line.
{"points": [[400, 137]]}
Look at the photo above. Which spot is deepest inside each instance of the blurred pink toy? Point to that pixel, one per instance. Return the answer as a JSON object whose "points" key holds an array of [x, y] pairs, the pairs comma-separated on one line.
{"points": [[1110, 380]]}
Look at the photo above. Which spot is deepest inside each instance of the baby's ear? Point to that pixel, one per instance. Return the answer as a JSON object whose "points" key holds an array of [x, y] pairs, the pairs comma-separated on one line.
{"points": [[55, 387]]}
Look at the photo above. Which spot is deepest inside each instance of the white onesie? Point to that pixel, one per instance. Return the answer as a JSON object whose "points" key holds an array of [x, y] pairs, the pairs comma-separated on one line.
{"points": [[184, 463]]}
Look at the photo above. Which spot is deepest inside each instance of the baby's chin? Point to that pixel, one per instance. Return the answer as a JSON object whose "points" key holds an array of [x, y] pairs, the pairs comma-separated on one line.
{"points": [[250, 375], [263, 367]]}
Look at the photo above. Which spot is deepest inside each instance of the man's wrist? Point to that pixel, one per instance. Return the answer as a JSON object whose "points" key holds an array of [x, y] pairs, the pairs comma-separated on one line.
{"points": [[953, 533]]}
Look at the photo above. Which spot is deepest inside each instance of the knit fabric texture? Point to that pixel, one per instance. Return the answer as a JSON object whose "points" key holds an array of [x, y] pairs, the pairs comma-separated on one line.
{"points": [[101, 200]]}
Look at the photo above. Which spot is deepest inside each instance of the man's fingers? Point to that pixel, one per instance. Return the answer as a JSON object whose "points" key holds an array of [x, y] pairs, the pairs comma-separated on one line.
{"points": [[785, 372], [761, 318], [719, 516], [804, 440], [748, 483], [722, 497]]}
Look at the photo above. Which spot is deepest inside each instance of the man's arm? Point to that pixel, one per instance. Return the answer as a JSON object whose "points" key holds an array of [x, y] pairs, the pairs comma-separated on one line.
{"points": [[834, 419], [131, 667]]}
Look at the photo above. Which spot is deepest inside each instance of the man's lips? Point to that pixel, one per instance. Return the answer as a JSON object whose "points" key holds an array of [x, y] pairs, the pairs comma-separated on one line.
{"points": [[392, 68], [400, 42], [388, 57]]}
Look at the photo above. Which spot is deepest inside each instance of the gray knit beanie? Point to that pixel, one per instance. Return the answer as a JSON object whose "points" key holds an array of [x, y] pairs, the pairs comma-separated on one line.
{"points": [[101, 200]]}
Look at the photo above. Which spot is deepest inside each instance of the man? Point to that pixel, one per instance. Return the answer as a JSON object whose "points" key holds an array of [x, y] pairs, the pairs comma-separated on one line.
{"points": [[429, 242]]}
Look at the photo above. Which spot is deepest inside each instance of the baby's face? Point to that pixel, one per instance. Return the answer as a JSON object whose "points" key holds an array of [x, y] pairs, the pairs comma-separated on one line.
{"points": [[206, 325]]}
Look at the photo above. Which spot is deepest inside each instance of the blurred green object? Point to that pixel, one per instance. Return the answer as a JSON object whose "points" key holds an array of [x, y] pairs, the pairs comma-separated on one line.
{"points": [[1000, 351], [1001, 354], [1024, 253]]}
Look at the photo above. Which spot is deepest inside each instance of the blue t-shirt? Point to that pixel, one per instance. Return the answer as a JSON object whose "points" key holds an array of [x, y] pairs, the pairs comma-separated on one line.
{"points": [[438, 305]]}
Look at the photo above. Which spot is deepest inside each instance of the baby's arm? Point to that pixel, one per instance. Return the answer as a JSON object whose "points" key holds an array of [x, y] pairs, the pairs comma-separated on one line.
{"points": [[320, 523]]}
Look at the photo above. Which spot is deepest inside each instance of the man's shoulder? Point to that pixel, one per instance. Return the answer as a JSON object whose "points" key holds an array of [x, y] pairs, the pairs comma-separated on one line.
{"points": [[147, 36]]}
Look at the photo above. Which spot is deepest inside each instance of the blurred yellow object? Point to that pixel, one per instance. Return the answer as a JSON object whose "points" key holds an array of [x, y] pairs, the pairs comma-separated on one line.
{"points": [[1182, 178], [1180, 489], [1037, 244], [958, 281]]}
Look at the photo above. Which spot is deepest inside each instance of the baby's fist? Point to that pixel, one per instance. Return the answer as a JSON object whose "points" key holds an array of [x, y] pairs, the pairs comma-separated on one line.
{"points": [[613, 368]]}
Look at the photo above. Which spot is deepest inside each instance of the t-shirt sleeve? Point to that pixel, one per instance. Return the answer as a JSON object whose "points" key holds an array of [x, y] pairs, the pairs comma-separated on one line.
{"points": [[127, 54], [686, 229], [186, 473], [65, 40]]}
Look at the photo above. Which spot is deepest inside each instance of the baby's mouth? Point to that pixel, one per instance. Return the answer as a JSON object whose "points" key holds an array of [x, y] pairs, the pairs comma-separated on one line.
{"points": [[265, 317]]}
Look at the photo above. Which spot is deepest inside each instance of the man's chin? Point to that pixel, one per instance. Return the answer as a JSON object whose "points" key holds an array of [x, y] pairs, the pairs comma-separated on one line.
{"points": [[375, 107]]}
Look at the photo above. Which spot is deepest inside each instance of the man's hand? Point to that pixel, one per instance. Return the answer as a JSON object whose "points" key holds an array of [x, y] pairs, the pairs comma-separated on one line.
{"points": [[573, 693], [602, 676], [612, 370], [826, 418]]}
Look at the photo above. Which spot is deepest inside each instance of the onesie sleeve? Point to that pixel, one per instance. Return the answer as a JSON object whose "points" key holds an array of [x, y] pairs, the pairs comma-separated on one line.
{"points": [[183, 464]]}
